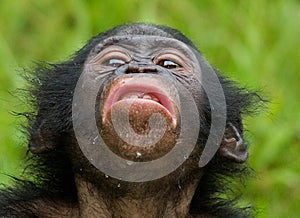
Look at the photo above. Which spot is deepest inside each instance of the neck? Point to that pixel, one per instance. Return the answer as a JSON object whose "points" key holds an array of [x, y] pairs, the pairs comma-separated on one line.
{"points": [[152, 199]]}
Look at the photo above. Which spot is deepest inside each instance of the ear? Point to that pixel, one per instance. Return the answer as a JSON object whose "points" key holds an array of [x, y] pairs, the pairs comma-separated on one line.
{"points": [[232, 146], [42, 139]]}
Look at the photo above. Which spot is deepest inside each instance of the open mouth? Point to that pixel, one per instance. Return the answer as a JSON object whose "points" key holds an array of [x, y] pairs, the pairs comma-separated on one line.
{"points": [[140, 99], [138, 90]]}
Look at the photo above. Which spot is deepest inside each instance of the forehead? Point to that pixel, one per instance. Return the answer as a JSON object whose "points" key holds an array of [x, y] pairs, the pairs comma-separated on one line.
{"points": [[144, 42]]}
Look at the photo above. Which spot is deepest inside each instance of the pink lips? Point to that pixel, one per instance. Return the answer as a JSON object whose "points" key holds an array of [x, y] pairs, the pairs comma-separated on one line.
{"points": [[133, 89]]}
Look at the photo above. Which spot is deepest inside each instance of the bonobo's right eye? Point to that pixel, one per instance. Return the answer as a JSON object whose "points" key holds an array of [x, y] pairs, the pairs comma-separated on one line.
{"points": [[112, 58], [114, 62]]}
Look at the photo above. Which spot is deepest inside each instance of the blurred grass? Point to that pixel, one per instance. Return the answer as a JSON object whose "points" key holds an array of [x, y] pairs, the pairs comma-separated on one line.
{"points": [[254, 42]]}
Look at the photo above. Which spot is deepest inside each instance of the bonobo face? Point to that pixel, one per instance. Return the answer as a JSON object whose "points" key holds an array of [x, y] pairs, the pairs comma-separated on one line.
{"points": [[138, 110]]}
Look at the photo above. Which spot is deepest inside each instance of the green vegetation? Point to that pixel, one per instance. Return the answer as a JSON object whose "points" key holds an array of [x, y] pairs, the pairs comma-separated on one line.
{"points": [[254, 42]]}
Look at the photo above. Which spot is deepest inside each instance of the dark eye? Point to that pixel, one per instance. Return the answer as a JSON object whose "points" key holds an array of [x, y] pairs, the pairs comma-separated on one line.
{"points": [[115, 62], [168, 64]]}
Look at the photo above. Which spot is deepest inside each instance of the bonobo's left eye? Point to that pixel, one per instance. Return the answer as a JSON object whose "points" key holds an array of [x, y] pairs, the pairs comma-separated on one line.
{"points": [[168, 64], [170, 60]]}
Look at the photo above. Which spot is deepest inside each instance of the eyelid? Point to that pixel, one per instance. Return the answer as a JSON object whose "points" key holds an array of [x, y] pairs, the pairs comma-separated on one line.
{"points": [[106, 55], [169, 56]]}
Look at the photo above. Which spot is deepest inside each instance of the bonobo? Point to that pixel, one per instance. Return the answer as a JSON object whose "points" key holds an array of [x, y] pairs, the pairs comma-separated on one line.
{"points": [[135, 124]]}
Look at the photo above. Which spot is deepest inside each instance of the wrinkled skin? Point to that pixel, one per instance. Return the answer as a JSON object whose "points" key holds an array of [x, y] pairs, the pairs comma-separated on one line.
{"points": [[138, 72]]}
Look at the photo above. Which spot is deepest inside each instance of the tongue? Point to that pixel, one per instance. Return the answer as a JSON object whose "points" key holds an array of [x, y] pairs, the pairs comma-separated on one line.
{"points": [[142, 95]]}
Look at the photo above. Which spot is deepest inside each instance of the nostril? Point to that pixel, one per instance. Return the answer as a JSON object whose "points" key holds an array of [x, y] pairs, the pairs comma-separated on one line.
{"points": [[149, 69], [132, 69], [141, 69]]}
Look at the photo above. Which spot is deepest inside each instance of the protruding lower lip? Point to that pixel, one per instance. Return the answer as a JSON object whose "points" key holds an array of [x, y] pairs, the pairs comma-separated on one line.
{"points": [[137, 89]]}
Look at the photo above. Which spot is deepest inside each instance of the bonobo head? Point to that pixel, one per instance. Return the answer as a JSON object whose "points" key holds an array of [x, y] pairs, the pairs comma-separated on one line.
{"points": [[136, 109]]}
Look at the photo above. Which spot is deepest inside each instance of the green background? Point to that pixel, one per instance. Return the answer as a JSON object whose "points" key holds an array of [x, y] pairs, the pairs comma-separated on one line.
{"points": [[253, 42]]}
